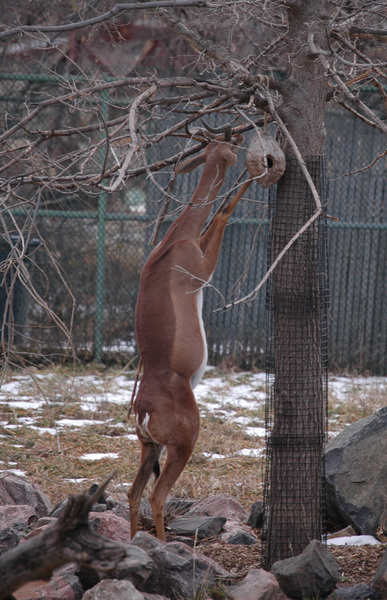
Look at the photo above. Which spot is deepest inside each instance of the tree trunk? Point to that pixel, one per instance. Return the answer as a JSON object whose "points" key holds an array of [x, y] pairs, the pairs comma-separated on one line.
{"points": [[296, 407]]}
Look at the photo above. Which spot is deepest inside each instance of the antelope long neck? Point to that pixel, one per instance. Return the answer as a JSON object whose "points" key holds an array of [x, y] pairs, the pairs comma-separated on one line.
{"points": [[191, 221]]}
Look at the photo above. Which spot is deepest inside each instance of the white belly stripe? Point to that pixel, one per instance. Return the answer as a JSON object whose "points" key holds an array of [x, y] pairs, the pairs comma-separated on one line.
{"points": [[196, 378]]}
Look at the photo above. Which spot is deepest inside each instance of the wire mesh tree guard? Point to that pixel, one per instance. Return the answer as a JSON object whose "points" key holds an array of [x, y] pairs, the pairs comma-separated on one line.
{"points": [[296, 406]]}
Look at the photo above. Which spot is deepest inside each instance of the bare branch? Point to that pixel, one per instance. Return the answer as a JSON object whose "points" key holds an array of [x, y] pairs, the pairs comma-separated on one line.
{"points": [[368, 33], [363, 169], [117, 10], [204, 46], [368, 112]]}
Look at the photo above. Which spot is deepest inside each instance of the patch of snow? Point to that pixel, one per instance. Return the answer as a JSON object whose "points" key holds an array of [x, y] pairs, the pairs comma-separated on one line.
{"points": [[43, 430], [26, 403], [244, 420], [354, 540], [208, 386], [253, 452], [10, 388], [16, 472], [237, 402], [213, 456], [99, 456], [256, 431], [78, 422]]}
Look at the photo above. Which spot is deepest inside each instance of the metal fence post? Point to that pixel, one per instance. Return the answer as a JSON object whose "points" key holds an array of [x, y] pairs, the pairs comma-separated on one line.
{"points": [[100, 270]]}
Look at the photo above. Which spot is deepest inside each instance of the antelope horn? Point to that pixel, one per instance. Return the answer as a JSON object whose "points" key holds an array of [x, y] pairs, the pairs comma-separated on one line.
{"points": [[226, 129], [199, 132]]}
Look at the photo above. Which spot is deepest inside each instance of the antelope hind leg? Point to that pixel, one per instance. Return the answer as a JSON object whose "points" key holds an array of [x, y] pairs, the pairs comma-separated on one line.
{"points": [[176, 459], [149, 457]]}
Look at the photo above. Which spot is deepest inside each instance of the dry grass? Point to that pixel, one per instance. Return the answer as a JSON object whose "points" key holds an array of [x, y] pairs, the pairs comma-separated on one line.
{"points": [[360, 398], [54, 459]]}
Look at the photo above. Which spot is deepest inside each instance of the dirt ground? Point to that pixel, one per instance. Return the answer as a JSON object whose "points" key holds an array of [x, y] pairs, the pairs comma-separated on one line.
{"points": [[357, 564]]}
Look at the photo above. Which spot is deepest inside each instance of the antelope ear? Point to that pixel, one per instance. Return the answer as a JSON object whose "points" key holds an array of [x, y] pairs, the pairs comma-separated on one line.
{"points": [[190, 164]]}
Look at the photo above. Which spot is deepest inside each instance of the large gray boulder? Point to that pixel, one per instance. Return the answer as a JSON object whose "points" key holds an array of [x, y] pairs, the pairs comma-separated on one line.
{"points": [[311, 574], [356, 474], [178, 572]]}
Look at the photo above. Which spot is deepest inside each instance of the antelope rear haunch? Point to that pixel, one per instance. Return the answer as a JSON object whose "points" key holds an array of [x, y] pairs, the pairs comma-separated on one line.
{"points": [[170, 332]]}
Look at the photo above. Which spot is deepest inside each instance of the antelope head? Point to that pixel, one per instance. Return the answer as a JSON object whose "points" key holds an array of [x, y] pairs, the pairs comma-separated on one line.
{"points": [[213, 138]]}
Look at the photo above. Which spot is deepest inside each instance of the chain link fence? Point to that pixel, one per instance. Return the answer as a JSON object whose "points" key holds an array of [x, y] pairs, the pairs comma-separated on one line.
{"points": [[86, 253]]}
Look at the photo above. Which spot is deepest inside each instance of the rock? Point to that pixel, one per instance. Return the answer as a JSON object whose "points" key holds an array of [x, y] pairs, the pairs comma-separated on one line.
{"points": [[312, 573], [59, 508], [379, 581], [111, 503], [109, 589], [178, 570], [100, 506], [360, 591], [17, 516], [356, 474], [45, 521], [121, 510], [239, 537], [87, 576], [346, 532], [138, 566], [34, 533], [201, 527], [184, 540], [174, 507], [17, 490], [257, 585], [177, 506], [111, 526], [255, 519], [63, 586], [154, 597], [9, 538], [221, 505]]}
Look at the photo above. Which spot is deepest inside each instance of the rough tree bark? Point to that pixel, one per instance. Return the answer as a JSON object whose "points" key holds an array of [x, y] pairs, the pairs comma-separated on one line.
{"points": [[296, 442]]}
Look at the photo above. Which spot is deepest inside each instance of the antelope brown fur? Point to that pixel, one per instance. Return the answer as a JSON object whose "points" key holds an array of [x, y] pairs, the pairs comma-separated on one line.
{"points": [[170, 333]]}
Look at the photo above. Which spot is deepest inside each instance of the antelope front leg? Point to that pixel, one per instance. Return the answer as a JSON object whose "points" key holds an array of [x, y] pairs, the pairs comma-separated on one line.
{"points": [[211, 240]]}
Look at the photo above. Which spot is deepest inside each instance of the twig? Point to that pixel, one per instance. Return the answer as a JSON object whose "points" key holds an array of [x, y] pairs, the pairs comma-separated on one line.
{"points": [[348, 94], [134, 146], [290, 243], [362, 169]]}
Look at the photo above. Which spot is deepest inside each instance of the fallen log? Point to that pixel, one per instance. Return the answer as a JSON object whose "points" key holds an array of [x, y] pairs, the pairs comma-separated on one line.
{"points": [[69, 539]]}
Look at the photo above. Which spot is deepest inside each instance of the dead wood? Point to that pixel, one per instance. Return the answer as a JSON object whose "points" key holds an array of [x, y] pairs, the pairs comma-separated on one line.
{"points": [[69, 539]]}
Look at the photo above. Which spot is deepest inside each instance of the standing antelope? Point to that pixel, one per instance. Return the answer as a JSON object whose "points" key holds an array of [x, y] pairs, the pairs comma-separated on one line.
{"points": [[170, 332]]}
